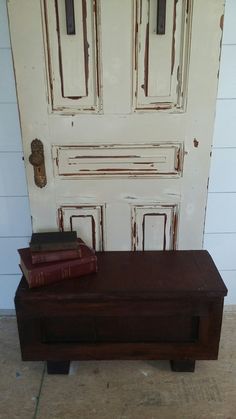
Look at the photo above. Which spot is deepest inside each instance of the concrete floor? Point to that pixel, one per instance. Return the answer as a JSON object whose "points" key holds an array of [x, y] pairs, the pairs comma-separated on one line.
{"points": [[115, 389]]}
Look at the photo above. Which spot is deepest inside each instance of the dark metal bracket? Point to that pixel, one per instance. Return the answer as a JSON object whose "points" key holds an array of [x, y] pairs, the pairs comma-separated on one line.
{"points": [[161, 17], [70, 17]]}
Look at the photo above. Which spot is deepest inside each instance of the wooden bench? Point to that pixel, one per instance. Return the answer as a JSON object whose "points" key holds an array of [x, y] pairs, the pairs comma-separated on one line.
{"points": [[140, 305]]}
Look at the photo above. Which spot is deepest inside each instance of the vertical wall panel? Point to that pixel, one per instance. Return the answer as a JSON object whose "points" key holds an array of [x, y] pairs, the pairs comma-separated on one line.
{"points": [[221, 210], [222, 249], [223, 170], [4, 33], [15, 223], [227, 80], [9, 258], [229, 277], [225, 123], [14, 217], [229, 36], [12, 175], [10, 135], [7, 82]]}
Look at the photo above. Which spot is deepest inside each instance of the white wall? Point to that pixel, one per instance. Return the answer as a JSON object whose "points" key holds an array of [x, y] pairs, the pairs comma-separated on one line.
{"points": [[220, 227], [15, 225]]}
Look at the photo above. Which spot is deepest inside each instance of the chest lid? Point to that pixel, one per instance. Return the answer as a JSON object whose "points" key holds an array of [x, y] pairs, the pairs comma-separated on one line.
{"points": [[148, 275]]}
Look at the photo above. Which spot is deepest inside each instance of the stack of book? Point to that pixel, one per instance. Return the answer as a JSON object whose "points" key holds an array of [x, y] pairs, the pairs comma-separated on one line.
{"points": [[55, 256]]}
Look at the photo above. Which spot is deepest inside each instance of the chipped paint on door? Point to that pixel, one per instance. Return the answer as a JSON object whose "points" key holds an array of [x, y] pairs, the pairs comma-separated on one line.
{"points": [[73, 61], [125, 114], [161, 61], [129, 160], [87, 220], [154, 227]]}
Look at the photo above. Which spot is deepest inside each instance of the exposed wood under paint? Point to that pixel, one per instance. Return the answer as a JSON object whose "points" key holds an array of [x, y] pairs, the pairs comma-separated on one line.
{"points": [[161, 159]]}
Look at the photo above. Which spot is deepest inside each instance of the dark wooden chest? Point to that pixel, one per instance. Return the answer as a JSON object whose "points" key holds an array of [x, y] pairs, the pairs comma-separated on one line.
{"points": [[140, 305]]}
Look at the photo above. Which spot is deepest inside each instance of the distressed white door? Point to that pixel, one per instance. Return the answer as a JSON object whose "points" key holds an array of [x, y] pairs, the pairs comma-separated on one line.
{"points": [[124, 107]]}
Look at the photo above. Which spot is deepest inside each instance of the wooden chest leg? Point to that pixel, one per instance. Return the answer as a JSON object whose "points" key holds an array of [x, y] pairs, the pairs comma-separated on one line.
{"points": [[58, 367], [185, 365]]}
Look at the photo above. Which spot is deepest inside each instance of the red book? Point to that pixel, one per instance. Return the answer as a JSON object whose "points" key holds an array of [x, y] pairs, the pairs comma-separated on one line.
{"points": [[56, 256], [48, 273]]}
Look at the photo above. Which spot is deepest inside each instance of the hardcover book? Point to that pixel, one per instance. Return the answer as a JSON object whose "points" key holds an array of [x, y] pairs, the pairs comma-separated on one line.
{"points": [[56, 255], [59, 240], [47, 273]]}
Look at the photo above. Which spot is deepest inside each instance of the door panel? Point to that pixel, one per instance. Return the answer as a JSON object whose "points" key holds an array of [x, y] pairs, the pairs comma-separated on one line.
{"points": [[125, 116], [86, 220], [73, 60], [92, 160], [154, 227], [161, 60]]}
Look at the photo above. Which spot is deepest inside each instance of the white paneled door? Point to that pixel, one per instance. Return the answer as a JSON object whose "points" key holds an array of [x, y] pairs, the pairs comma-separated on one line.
{"points": [[117, 102]]}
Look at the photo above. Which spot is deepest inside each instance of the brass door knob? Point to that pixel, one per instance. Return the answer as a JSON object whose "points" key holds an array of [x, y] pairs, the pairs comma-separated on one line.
{"points": [[37, 161]]}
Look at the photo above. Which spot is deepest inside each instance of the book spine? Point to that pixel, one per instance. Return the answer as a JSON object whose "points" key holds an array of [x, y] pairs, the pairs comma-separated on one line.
{"points": [[45, 257], [50, 247], [44, 277]]}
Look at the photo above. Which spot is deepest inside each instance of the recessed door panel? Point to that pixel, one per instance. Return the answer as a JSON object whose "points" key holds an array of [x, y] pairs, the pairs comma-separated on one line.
{"points": [[123, 160], [86, 220], [154, 227], [161, 57], [73, 59]]}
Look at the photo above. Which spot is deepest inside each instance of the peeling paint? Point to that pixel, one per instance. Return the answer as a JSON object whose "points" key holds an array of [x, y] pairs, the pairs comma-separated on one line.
{"points": [[179, 58], [162, 159], [96, 17], [102, 207], [146, 60], [195, 143], [60, 219], [208, 180], [67, 214], [140, 12], [173, 39], [47, 49], [59, 48], [187, 7], [56, 79], [86, 45], [134, 229], [178, 160], [141, 211], [136, 37], [222, 22], [175, 229]]}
